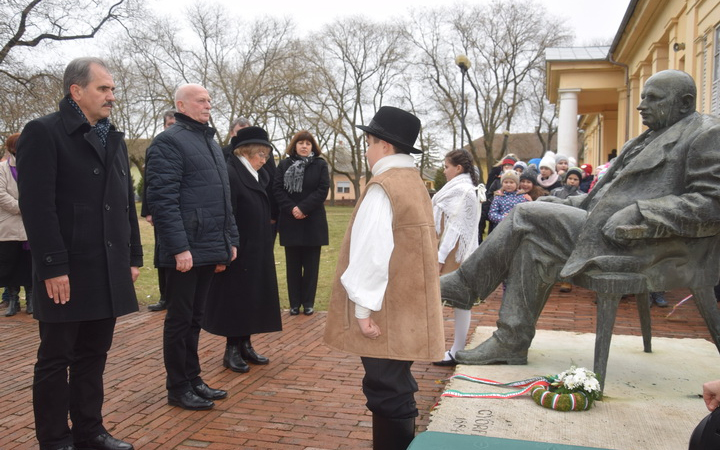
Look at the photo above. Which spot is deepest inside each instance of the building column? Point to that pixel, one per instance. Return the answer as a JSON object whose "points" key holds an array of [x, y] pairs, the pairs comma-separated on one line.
{"points": [[567, 123]]}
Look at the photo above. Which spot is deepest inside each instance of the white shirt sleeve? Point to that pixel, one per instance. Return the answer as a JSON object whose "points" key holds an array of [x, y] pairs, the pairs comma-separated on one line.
{"points": [[371, 245], [448, 241]]}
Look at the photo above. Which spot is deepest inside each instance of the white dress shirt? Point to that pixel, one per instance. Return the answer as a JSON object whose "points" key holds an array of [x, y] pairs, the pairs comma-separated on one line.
{"points": [[372, 243]]}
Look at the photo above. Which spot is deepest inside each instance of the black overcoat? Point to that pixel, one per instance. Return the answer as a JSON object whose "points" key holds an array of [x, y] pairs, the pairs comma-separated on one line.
{"points": [[78, 207], [312, 230], [243, 300]]}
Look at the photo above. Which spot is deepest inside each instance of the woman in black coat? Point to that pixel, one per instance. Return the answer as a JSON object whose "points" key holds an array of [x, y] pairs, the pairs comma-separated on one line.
{"points": [[301, 187], [243, 299]]}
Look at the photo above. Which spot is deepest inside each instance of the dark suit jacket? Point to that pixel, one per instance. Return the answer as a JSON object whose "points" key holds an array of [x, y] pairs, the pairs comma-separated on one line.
{"points": [[78, 206]]}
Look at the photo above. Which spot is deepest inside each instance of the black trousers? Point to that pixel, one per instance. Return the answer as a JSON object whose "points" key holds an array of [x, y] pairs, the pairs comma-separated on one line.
{"points": [[186, 294], [389, 388], [303, 266], [79, 348]]}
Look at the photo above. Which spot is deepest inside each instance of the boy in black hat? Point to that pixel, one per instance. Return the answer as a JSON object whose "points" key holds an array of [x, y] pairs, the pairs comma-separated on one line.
{"points": [[385, 305]]}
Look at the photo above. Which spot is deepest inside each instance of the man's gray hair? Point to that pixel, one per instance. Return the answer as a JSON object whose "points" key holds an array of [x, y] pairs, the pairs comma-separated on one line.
{"points": [[169, 114], [78, 72], [240, 121]]}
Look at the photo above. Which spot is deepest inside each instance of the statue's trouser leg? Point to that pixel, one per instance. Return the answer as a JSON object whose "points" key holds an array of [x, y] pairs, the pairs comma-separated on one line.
{"points": [[527, 249]]}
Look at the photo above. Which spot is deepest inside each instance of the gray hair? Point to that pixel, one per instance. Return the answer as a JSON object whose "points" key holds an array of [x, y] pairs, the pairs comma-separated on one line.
{"points": [[78, 72], [240, 121], [169, 114]]}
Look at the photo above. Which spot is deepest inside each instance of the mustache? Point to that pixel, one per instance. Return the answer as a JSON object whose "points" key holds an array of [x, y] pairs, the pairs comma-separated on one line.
{"points": [[110, 104]]}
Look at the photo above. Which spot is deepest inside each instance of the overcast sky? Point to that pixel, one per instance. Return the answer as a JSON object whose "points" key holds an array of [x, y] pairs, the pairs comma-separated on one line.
{"points": [[592, 20]]}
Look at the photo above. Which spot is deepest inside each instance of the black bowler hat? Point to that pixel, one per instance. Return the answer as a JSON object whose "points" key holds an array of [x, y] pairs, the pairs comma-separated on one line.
{"points": [[250, 135], [396, 126]]}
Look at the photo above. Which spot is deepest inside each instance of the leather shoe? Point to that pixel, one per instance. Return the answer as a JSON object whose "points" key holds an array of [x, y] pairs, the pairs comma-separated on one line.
{"points": [[294, 311], [308, 311], [190, 400], [233, 360], [249, 354], [103, 442], [659, 299], [161, 305], [446, 363], [208, 393], [492, 351]]}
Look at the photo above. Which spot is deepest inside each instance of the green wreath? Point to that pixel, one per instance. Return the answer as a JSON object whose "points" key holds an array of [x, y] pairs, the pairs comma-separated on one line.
{"points": [[576, 401]]}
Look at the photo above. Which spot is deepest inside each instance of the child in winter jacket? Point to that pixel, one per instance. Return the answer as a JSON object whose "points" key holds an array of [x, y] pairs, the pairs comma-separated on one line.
{"points": [[502, 204]]}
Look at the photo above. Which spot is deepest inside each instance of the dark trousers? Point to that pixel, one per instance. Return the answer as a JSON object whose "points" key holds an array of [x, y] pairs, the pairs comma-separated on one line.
{"points": [[162, 280], [389, 388], [82, 348], [303, 266], [186, 293]]}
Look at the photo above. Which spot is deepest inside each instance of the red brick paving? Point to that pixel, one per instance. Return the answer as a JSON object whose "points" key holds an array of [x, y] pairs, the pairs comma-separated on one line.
{"points": [[308, 397]]}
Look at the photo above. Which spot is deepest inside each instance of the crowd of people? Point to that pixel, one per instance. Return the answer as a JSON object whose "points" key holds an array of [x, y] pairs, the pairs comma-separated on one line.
{"points": [[215, 214]]}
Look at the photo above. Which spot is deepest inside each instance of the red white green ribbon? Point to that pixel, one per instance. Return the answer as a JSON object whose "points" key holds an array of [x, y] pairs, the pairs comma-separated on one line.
{"points": [[526, 384]]}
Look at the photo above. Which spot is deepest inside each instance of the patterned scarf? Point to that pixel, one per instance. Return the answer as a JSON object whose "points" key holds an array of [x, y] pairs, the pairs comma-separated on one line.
{"points": [[295, 173], [101, 128]]}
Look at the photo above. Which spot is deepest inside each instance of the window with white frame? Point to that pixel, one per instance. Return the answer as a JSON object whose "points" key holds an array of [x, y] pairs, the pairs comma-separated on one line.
{"points": [[343, 187]]}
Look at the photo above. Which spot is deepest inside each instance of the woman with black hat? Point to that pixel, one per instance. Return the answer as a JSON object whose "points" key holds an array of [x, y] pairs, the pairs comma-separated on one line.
{"points": [[243, 299], [301, 187]]}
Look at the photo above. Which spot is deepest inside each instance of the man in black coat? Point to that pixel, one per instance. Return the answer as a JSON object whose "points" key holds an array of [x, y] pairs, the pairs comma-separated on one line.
{"points": [[188, 196], [77, 203]]}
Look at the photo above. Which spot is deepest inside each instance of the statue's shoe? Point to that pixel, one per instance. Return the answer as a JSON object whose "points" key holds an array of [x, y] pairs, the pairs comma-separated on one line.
{"points": [[492, 352]]}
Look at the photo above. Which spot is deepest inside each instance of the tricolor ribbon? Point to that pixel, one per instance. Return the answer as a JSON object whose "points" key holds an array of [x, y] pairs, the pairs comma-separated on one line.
{"points": [[526, 384]]}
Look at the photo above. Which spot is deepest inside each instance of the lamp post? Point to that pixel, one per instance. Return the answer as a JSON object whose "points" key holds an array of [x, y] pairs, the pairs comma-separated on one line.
{"points": [[463, 63]]}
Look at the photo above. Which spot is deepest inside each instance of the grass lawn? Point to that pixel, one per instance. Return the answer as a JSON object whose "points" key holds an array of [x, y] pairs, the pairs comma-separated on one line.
{"points": [[338, 217]]}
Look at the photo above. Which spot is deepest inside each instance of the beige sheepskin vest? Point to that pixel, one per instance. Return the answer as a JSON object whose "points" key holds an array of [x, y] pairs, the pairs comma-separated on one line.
{"points": [[411, 318]]}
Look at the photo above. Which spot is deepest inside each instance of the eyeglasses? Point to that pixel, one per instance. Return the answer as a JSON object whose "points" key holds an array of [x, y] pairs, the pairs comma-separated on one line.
{"points": [[263, 155]]}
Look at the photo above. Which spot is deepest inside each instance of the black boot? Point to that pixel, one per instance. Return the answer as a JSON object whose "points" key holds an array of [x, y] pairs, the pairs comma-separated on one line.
{"points": [[392, 434], [13, 307], [161, 305], [233, 361], [248, 352]]}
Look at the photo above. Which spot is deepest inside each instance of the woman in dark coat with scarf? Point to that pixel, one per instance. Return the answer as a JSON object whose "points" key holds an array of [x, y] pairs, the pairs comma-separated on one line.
{"points": [[301, 187], [243, 299]]}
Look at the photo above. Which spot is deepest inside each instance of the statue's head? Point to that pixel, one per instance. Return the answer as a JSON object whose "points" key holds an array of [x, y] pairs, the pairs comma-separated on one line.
{"points": [[666, 98]]}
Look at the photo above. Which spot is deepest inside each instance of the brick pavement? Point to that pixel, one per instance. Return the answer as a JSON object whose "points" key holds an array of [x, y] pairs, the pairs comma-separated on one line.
{"points": [[308, 397]]}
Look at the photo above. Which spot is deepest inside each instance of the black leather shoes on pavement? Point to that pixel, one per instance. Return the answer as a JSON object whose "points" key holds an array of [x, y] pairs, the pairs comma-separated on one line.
{"points": [[161, 305], [294, 311], [248, 353], [446, 362], [208, 393], [308, 311], [103, 442], [190, 400]]}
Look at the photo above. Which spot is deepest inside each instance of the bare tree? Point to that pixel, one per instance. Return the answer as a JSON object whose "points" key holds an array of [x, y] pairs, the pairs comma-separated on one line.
{"points": [[32, 22], [356, 64]]}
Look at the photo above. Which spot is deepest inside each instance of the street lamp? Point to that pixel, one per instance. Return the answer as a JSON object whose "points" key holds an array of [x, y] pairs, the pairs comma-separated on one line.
{"points": [[463, 63]]}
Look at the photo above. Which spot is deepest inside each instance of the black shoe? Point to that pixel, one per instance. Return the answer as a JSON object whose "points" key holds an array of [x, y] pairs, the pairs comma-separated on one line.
{"points": [[190, 400], [103, 442], [67, 447], [248, 353], [13, 308], [233, 360], [161, 305], [446, 363], [294, 311], [208, 393], [308, 311]]}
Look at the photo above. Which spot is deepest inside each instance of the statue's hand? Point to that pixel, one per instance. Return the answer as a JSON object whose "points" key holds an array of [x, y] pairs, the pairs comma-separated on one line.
{"points": [[625, 227]]}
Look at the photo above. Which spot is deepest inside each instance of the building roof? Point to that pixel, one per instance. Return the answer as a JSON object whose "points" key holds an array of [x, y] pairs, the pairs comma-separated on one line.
{"points": [[577, 53]]}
